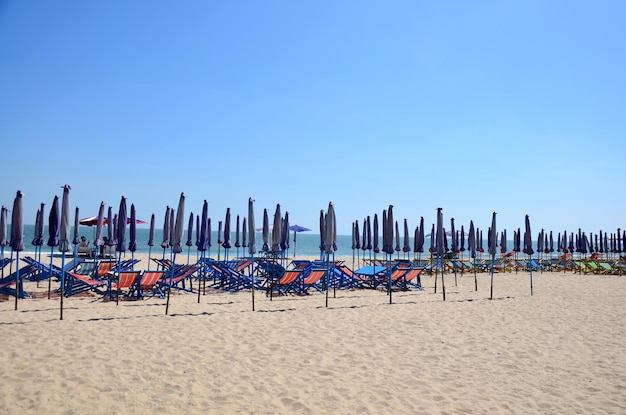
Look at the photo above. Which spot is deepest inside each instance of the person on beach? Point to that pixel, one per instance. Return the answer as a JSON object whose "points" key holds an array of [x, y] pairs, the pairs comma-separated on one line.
{"points": [[83, 242]]}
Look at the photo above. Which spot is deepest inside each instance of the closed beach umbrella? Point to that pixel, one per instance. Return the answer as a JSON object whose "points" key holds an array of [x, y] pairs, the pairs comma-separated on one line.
{"points": [[471, 245], [453, 234], [3, 234], [276, 230], [439, 248], [179, 226], [503, 247], [64, 230], [177, 239], [166, 230], [110, 229], [226, 243], [76, 238], [132, 235], [237, 235], [266, 232], [369, 234], [251, 241], [54, 219], [244, 233], [251, 229], [492, 247], [322, 232], [150, 239], [330, 229], [364, 237], [407, 242], [397, 247], [375, 243], [64, 241], [97, 241], [420, 242], [528, 248], [120, 229], [17, 237], [38, 235], [202, 240], [189, 242], [284, 234]]}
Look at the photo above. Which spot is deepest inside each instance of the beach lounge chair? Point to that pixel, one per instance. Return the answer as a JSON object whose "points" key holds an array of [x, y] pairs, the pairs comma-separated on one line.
{"points": [[76, 283], [125, 284], [179, 279], [149, 283], [7, 284], [313, 280]]}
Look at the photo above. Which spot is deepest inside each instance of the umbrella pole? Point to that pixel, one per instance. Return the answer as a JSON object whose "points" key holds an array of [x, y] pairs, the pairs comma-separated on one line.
{"points": [[475, 279], [50, 272], [493, 259], [167, 303], [443, 284], [327, 277], [334, 279], [389, 290], [294, 243], [119, 260], [200, 279], [531, 276], [62, 282], [252, 278], [17, 276]]}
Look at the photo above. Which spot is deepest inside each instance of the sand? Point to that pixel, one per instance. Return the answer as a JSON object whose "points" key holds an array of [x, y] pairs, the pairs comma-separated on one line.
{"points": [[560, 351]]}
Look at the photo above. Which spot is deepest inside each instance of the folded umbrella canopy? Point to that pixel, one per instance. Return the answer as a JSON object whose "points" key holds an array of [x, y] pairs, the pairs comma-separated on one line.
{"points": [[64, 241], [17, 237]]}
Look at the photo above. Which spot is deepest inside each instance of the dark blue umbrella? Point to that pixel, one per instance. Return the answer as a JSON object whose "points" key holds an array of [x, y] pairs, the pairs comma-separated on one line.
{"points": [[492, 247], [284, 234], [150, 239], [471, 245], [369, 235], [439, 249], [226, 243], [204, 217], [433, 245], [251, 242], [397, 247], [375, 244], [189, 242], [420, 242], [64, 237], [132, 234], [120, 229], [3, 234], [38, 235], [266, 232], [406, 248], [54, 222], [528, 249], [76, 236], [17, 238], [244, 233], [330, 235], [237, 235], [322, 222], [364, 237], [503, 247]]}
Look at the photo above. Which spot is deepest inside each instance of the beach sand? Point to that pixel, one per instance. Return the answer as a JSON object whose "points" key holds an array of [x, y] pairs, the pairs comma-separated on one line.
{"points": [[560, 351]]}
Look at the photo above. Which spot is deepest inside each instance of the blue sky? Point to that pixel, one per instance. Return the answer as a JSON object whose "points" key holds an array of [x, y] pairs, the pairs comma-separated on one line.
{"points": [[516, 107]]}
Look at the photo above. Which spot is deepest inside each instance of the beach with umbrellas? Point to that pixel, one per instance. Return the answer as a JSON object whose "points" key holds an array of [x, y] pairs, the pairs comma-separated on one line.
{"points": [[414, 316]]}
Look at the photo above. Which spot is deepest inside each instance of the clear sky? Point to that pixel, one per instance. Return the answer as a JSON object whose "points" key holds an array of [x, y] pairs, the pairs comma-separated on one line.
{"points": [[517, 107]]}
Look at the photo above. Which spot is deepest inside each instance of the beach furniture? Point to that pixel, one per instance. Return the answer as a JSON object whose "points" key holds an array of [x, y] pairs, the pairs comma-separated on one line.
{"points": [[125, 284], [148, 283], [7, 284], [76, 283], [314, 280], [179, 279]]}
